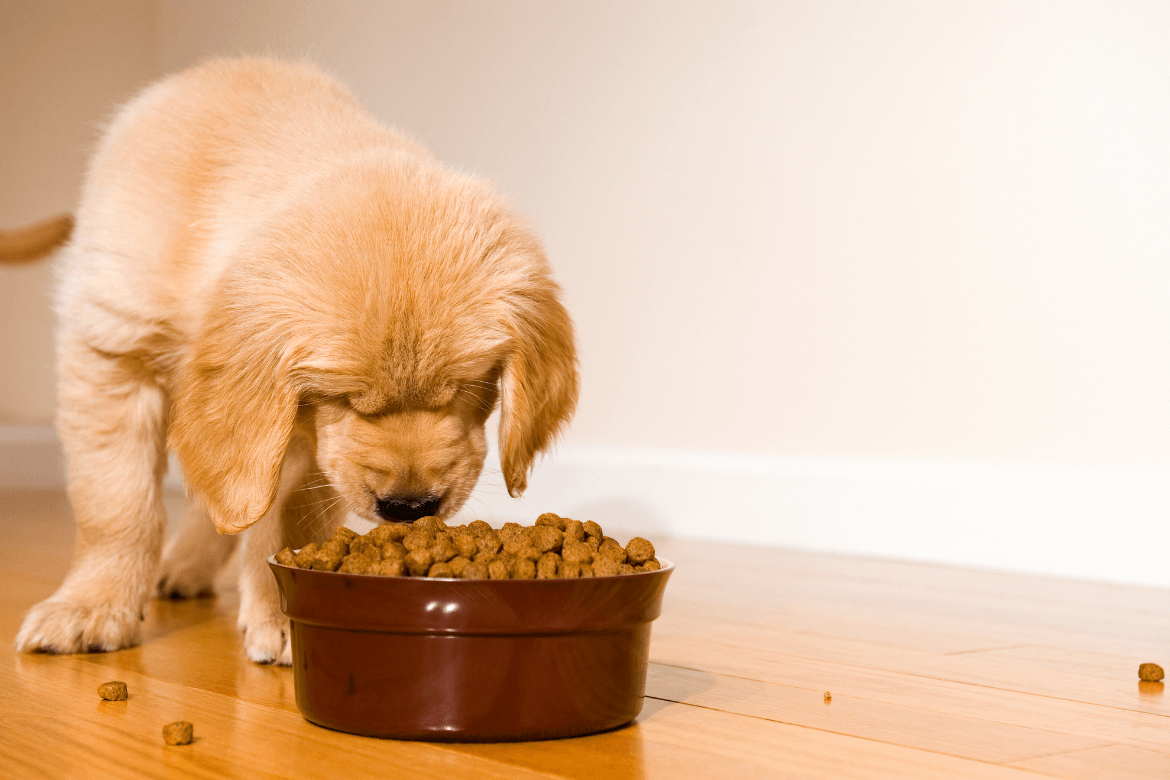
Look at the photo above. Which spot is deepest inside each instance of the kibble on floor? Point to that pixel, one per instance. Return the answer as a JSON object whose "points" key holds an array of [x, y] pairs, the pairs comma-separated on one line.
{"points": [[178, 733], [115, 690]]}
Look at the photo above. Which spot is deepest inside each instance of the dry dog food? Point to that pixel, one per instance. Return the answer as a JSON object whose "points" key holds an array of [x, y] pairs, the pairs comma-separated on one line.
{"points": [[178, 733], [554, 548], [113, 691], [1150, 672]]}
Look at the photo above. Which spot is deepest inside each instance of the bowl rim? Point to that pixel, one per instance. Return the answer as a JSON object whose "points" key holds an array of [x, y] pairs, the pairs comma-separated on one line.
{"points": [[666, 565]]}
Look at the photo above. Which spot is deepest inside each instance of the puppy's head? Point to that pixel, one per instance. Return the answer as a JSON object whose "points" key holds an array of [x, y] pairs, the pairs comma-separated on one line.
{"points": [[382, 315]]}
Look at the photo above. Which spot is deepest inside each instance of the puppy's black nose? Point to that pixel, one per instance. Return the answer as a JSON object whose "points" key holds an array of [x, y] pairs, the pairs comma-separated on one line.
{"points": [[407, 509]]}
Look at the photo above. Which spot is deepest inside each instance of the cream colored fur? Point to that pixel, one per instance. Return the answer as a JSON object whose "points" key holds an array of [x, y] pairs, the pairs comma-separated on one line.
{"points": [[310, 310]]}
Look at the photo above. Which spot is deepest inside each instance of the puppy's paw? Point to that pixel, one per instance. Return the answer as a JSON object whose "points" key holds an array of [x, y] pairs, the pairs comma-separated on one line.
{"points": [[185, 580], [268, 641], [62, 626]]}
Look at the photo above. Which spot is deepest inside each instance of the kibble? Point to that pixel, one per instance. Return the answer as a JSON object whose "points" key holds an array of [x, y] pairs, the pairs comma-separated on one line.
{"points": [[348, 534], [358, 564], [178, 733], [476, 570], [419, 539], [419, 562], [391, 567], [113, 691], [435, 524], [384, 534], [609, 548], [458, 565], [466, 545], [441, 569], [575, 530], [554, 548], [577, 552], [304, 558], [327, 558], [547, 538], [547, 566], [606, 567], [443, 551], [638, 551], [489, 544], [1150, 673], [551, 520]]}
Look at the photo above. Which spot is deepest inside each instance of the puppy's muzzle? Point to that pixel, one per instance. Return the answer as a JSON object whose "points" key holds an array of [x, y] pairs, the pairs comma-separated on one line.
{"points": [[407, 508]]}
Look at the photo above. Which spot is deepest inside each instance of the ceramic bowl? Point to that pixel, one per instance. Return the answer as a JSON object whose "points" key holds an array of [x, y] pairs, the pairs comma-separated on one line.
{"points": [[469, 660]]}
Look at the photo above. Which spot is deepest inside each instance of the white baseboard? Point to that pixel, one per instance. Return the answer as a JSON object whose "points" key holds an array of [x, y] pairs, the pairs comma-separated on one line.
{"points": [[1073, 523]]}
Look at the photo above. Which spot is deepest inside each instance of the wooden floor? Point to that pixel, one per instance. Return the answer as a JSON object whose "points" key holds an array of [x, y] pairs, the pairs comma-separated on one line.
{"points": [[934, 673]]}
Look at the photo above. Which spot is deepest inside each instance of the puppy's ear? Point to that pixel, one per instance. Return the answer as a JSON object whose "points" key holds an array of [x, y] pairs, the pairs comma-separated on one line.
{"points": [[233, 417], [538, 383]]}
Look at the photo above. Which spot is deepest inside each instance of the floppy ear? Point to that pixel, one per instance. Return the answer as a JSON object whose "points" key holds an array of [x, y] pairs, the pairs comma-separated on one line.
{"points": [[233, 417], [538, 383]]}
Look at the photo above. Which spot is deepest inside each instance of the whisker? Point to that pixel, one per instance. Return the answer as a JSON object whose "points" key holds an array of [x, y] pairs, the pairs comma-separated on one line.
{"points": [[319, 501], [479, 402], [314, 529], [316, 479], [320, 486], [315, 505]]}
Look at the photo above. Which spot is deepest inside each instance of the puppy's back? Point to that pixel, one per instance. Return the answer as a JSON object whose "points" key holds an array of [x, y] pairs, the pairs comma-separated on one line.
{"points": [[190, 168]]}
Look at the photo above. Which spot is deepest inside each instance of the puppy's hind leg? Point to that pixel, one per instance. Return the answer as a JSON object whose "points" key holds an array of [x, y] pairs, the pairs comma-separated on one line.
{"points": [[112, 422], [193, 557]]}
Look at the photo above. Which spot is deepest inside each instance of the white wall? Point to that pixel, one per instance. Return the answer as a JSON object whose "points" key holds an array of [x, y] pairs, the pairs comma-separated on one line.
{"points": [[63, 66], [912, 230]]}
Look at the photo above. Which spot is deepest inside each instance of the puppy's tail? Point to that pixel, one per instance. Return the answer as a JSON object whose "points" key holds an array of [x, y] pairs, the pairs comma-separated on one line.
{"points": [[24, 245]]}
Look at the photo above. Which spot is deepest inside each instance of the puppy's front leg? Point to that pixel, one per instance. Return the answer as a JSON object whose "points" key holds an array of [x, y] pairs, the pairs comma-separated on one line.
{"points": [[266, 632], [112, 423]]}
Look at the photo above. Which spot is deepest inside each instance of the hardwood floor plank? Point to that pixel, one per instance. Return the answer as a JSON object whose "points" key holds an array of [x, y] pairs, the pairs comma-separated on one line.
{"points": [[945, 733], [1136, 728], [677, 740], [1116, 762], [991, 669], [1115, 667], [53, 720]]}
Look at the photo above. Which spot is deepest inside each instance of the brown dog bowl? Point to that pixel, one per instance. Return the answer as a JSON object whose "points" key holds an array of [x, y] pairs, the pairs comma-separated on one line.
{"points": [[469, 660]]}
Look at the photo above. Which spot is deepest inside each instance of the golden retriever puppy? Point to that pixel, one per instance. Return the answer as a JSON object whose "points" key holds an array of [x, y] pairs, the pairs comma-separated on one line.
{"points": [[311, 311]]}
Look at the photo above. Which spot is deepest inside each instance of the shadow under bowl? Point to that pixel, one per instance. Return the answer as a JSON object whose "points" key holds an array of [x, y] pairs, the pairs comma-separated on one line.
{"points": [[469, 660]]}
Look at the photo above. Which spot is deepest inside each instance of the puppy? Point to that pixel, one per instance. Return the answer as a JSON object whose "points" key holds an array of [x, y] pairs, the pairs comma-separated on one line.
{"points": [[311, 311]]}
